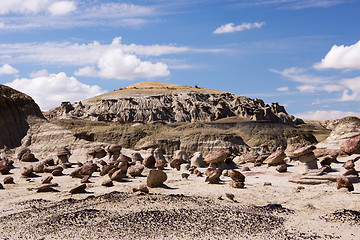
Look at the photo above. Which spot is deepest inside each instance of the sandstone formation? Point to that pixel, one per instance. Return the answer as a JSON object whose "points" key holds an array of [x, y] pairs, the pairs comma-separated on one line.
{"points": [[147, 102], [17, 112]]}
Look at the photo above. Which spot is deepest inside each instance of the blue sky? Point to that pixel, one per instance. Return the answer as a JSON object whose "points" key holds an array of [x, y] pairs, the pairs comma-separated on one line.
{"points": [[303, 54]]}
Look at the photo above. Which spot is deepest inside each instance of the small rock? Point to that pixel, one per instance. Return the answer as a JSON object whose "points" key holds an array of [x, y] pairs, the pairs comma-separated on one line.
{"points": [[352, 145], [85, 179], [160, 163], [101, 162], [230, 196], [225, 173], [267, 184], [135, 170], [78, 189], [27, 157], [299, 188], [349, 164], [326, 161], [197, 160], [142, 188], [257, 164], [149, 161], [213, 175], [236, 184], [8, 180], [149, 144], [275, 158], [176, 163], [281, 168], [198, 173], [50, 169], [351, 171], [1, 186], [343, 182], [4, 170], [118, 175], [245, 169], [156, 178], [47, 180], [57, 172], [107, 183], [38, 167], [220, 197], [124, 158], [49, 162], [88, 169], [27, 172], [185, 175], [80, 164], [45, 187], [106, 169], [236, 175], [217, 156]]}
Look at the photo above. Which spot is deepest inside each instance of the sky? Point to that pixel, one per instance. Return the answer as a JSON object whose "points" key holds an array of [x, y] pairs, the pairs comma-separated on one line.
{"points": [[303, 54]]}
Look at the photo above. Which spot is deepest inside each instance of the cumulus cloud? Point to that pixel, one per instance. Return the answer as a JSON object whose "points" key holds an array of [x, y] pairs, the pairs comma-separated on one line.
{"points": [[116, 64], [340, 57], [352, 92], [62, 7], [326, 115], [49, 90], [291, 4], [283, 89], [7, 69], [230, 27], [36, 6]]}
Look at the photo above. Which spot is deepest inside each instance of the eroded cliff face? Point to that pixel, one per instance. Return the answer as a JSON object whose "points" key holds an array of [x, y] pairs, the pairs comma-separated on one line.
{"points": [[17, 110], [184, 105]]}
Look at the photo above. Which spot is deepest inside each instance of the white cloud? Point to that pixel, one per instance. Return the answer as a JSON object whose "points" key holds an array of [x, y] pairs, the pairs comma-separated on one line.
{"points": [[116, 64], [340, 57], [229, 28], [50, 90], [7, 69], [62, 7], [352, 92], [23, 6], [291, 4], [325, 115], [283, 89], [299, 75]]}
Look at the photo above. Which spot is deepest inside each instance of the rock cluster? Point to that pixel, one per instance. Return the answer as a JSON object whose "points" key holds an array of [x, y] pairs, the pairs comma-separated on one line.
{"points": [[305, 158]]}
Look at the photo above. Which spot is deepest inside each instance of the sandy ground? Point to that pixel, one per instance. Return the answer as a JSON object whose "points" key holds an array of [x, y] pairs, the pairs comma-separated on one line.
{"points": [[186, 208]]}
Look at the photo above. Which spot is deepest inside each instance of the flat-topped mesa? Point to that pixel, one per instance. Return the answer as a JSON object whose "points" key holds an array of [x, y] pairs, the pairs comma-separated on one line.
{"points": [[151, 102]]}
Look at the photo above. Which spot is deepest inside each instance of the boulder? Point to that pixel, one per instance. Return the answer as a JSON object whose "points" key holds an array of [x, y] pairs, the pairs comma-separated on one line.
{"points": [[47, 180], [4, 170], [351, 145], [124, 158], [78, 189], [343, 182], [136, 157], [275, 158], [349, 164], [301, 151], [57, 172], [213, 175], [176, 163], [8, 180], [88, 169], [45, 187], [236, 184], [197, 160], [135, 170], [180, 154], [107, 183], [149, 161], [97, 152], [27, 171], [38, 167], [217, 156], [156, 178], [85, 179], [351, 171], [105, 169], [28, 157], [236, 175], [50, 169], [118, 175], [281, 168], [1, 186]]}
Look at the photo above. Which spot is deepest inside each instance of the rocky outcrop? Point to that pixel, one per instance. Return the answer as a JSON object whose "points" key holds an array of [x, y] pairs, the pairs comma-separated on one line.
{"points": [[170, 104], [17, 110]]}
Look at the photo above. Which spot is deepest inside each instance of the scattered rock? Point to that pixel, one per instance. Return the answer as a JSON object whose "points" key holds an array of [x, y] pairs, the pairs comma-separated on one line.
{"points": [[351, 171], [236, 175], [349, 164], [49, 162], [9, 180], [213, 175], [136, 170], [217, 156], [281, 168], [176, 163], [230, 196], [267, 184], [47, 180], [136, 157], [245, 169], [45, 187], [185, 175], [351, 145], [180, 154], [275, 158], [156, 178], [118, 175], [326, 161], [1, 186], [197, 160], [88, 169], [299, 188], [105, 169], [97, 152], [4, 170], [38, 167], [160, 163], [50, 169], [107, 183], [27, 172], [85, 179], [149, 161], [57, 172], [78, 189], [27, 157], [343, 182], [236, 184]]}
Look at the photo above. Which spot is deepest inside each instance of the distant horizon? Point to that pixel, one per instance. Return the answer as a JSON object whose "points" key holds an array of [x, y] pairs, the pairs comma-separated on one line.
{"points": [[304, 54]]}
